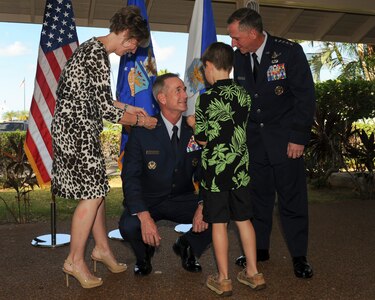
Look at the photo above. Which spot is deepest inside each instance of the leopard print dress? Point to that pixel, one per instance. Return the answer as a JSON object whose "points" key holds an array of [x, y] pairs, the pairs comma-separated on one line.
{"points": [[84, 98]]}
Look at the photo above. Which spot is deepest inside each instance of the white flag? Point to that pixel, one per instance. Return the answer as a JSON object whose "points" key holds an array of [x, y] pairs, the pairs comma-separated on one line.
{"points": [[202, 33]]}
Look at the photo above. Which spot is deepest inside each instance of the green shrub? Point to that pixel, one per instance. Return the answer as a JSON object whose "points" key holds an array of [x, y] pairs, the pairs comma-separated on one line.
{"points": [[341, 104]]}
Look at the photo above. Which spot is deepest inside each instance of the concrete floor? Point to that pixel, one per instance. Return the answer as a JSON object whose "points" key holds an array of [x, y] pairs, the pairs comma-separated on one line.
{"points": [[341, 251]]}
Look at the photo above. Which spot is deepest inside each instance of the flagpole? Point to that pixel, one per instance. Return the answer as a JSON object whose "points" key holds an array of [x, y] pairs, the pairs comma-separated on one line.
{"points": [[24, 94], [53, 239]]}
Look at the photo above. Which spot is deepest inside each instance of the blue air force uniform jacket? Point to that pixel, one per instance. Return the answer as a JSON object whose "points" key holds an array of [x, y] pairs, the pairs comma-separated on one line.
{"points": [[152, 174], [283, 99]]}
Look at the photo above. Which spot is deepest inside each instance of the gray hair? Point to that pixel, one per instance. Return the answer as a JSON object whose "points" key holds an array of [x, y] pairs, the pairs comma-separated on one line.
{"points": [[159, 85]]}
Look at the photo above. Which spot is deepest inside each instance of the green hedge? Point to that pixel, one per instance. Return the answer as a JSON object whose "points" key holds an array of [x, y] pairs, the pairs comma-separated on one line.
{"points": [[110, 139]]}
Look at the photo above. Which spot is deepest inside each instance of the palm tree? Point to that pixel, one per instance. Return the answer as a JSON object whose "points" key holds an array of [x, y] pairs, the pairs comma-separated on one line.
{"points": [[353, 60], [23, 115], [9, 115], [162, 71]]}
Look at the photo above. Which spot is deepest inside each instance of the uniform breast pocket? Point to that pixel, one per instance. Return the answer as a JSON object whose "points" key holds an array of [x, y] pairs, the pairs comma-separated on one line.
{"points": [[152, 159]]}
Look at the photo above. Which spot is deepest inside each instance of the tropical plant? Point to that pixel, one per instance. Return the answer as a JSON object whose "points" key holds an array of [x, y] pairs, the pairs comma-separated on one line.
{"points": [[9, 115], [352, 60], [340, 104], [360, 151], [19, 176], [162, 71]]}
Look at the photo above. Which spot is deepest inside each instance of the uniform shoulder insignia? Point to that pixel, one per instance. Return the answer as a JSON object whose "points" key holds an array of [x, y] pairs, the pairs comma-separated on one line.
{"points": [[284, 42]]}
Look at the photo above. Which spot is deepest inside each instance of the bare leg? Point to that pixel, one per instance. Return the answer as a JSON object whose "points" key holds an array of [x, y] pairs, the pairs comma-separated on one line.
{"points": [[220, 243], [247, 235], [83, 219], [99, 231]]}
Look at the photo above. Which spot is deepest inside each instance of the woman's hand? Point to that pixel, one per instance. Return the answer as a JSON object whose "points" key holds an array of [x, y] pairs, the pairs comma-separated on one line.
{"points": [[191, 121], [147, 122], [135, 110]]}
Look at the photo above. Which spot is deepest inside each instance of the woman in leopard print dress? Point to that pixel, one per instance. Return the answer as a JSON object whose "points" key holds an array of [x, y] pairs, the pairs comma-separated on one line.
{"points": [[84, 98]]}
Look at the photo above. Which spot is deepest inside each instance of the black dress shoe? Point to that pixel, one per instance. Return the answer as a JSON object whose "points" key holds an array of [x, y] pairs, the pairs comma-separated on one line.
{"points": [[144, 267], [241, 261], [188, 260], [262, 255], [302, 268]]}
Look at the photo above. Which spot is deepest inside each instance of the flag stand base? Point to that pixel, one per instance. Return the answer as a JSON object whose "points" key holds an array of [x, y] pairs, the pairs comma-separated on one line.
{"points": [[50, 241], [115, 235], [53, 239]]}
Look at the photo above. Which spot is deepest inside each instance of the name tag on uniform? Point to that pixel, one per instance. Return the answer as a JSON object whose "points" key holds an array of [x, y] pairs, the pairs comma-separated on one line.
{"points": [[152, 152], [276, 72], [241, 78], [192, 145]]}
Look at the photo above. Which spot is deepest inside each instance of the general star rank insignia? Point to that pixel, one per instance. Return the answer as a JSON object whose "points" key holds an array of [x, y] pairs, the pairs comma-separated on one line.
{"points": [[151, 165]]}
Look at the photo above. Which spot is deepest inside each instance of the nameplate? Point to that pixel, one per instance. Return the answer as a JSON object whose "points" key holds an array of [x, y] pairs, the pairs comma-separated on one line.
{"points": [[152, 152]]}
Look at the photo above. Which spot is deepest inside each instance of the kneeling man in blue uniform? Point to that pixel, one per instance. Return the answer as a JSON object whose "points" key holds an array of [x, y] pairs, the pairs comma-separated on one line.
{"points": [[160, 166]]}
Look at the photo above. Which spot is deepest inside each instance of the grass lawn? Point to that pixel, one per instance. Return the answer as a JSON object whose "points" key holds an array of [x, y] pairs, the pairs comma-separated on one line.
{"points": [[40, 201]]}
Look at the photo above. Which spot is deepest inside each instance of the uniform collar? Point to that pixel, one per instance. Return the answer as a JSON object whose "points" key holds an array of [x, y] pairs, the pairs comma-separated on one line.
{"points": [[260, 50], [169, 125]]}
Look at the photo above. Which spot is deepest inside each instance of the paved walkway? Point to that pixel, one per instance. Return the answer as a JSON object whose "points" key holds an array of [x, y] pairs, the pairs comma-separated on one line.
{"points": [[342, 244]]}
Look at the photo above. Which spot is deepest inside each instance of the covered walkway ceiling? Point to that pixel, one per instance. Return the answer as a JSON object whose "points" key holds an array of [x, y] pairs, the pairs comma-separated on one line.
{"points": [[323, 20]]}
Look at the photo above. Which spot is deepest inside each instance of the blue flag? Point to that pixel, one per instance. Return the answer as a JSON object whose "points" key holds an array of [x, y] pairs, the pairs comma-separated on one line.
{"points": [[202, 33], [137, 73]]}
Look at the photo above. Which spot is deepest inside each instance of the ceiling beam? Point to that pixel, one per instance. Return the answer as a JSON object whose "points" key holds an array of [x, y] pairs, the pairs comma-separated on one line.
{"points": [[327, 25], [149, 6], [32, 11], [287, 23], [365, 7], [362, 30], [91, 12]]}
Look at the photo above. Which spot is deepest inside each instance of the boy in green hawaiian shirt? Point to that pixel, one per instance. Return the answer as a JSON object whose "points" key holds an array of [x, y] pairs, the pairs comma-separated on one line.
{"points": [[221, 115]]}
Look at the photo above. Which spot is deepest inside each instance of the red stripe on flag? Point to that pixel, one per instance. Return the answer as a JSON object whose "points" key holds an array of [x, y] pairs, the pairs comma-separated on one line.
{"points": [[68, 50], [42, 126], [53, 64], [45, 89], [36, 160]]}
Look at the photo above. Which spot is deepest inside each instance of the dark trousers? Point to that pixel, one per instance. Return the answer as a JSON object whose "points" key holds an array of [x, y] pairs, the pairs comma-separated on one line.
{"points": [[288, 181], [175, 211]]}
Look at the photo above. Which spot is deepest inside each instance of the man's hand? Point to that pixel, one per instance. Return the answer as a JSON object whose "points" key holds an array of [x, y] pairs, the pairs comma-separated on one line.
{"points": [[198, 224], [295, 150], [150, 233]]}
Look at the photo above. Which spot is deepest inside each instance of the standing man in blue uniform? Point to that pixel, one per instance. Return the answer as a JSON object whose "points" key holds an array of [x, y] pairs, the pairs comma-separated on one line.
{"points": [[276, 74], [159, 169]]}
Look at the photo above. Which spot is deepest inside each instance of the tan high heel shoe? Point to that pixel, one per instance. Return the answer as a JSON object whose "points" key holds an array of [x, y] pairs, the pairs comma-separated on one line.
{"points": [[86, 283], [114, 267]]}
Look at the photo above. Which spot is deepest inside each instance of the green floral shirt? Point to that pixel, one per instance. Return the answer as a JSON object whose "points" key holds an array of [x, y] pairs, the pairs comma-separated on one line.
{"points": [[221, 115]]}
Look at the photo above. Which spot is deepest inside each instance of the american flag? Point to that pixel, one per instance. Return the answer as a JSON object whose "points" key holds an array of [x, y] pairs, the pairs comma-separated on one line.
{"points": [[58, 41]]}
